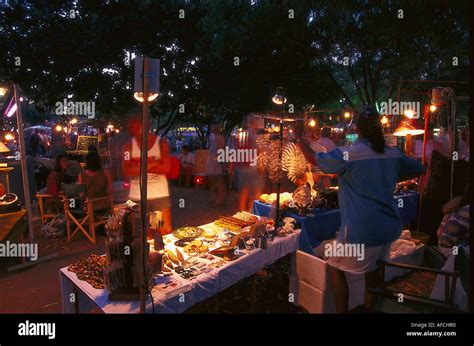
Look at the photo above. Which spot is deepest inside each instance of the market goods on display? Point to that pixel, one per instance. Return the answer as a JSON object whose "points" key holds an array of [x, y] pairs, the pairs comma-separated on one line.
{"points": [[122, 248], [246, 216], [188, 232], [274, 165], [263, 158], [233, 223], [285, 198], [293, 162], [304, 199], [90, 269], [327, 199], [302, 196], [196, 247], [406, 186]]}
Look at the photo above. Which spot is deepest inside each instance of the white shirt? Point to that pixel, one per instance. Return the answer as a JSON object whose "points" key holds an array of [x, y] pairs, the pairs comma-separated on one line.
{"points": [[157, 186]]}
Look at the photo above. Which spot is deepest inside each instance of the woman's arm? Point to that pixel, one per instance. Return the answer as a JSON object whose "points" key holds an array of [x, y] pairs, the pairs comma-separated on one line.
{"points": [[410, 168], [131, 167], [163, 165]]}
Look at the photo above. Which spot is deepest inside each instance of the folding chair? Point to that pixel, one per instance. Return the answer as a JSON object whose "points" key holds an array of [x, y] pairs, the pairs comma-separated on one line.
{"points": [[80, 212], [47, 210], [415, 302]]}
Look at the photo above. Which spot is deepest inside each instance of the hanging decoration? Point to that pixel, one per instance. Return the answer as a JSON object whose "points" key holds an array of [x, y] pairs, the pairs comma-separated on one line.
{"points": [[293, 162]]}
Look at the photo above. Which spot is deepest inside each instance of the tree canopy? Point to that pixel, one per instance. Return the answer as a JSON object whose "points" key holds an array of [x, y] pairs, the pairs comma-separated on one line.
{"points": [[223, 59]]}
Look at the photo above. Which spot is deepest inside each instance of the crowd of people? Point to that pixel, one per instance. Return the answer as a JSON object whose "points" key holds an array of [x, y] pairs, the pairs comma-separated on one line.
{"points": [[367, 179]]}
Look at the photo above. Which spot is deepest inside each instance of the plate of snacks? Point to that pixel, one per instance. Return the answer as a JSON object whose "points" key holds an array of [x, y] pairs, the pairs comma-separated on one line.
{"points": [[209, 233], [196, 247], [246, 216], [188, 232]]}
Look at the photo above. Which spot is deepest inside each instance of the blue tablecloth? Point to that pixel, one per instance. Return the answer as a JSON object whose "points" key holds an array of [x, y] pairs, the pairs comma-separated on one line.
{"points": [[323, 224]]}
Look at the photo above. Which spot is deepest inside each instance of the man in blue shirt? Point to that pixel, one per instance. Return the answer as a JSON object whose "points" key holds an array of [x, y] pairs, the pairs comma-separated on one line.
{"points": [[367, 176]]}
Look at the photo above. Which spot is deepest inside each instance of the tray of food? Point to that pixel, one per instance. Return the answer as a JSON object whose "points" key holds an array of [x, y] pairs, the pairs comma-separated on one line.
{"points": [[246, 216], [237, 222], [188, 232]]}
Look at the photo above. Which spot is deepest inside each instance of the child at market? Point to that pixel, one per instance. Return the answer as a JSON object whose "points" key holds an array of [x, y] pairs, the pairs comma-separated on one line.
{"points": [[367, 175]]}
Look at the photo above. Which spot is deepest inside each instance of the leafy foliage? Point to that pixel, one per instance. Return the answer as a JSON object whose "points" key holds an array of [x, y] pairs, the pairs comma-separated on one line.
{"points": [[225, 58]]}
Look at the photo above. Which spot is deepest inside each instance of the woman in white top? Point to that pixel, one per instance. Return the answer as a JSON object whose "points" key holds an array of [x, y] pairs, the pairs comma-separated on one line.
{"points": [[158, 165]]}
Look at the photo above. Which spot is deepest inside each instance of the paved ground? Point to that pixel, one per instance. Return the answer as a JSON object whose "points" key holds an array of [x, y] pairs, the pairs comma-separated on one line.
{"points": [[37, 289]]}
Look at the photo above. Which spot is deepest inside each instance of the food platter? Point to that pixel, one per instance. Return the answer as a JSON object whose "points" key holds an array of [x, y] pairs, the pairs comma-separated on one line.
{"points": [[188, 232]]}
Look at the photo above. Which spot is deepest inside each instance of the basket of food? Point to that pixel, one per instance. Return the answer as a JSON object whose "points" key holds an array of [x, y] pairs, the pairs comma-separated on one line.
{"points": [[188, 232]]}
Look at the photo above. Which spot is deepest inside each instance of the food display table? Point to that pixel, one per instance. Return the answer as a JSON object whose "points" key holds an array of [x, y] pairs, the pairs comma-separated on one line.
{"points": [[323, 224], [190, 292]]}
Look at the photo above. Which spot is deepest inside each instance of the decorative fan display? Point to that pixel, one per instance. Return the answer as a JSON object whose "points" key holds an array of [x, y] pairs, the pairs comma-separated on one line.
{"points": [[293, 161]]}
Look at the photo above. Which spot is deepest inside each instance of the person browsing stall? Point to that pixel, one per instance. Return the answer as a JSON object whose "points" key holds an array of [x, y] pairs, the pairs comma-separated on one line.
{"points": [[97, 180], [58, 176], [367, 175]]}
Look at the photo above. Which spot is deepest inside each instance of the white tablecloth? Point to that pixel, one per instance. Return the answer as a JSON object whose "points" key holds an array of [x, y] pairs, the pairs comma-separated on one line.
{"points": [[199, 289]]}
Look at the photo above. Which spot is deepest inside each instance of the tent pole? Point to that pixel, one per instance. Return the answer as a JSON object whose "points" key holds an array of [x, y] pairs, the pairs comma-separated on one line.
{"points": [[24, 174], [144, 184]]}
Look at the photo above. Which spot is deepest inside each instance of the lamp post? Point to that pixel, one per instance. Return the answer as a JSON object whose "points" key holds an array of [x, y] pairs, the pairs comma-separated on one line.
{"points": [[280, 100], [146, 89], [24, 174]]}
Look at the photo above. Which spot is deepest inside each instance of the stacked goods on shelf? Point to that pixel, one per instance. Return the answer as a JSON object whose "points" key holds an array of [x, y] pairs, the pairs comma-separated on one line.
{"points": [[122, 247]]}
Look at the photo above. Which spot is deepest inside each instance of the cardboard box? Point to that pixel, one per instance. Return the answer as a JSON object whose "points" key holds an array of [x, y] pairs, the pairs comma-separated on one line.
{"points": [[311, 277]]}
